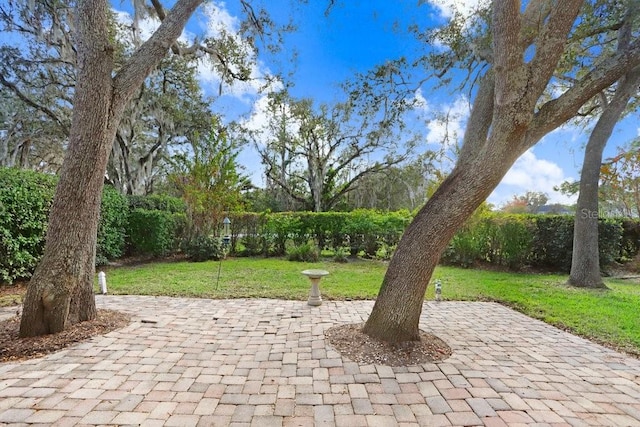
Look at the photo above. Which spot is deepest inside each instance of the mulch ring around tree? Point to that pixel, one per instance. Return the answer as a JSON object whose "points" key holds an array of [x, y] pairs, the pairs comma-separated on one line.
{"points": [[352, 343], [13, 348]]}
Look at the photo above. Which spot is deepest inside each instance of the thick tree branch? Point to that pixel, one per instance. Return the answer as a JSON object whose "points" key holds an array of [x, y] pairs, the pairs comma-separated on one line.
{"points": [[535, 13], [555, 112], [551, 44], [480, 119], [145, 59], [507, 52]]}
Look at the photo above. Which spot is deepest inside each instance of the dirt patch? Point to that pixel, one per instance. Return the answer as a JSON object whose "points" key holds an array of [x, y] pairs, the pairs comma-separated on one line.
{"points": [[14, 348], [351, 342]]}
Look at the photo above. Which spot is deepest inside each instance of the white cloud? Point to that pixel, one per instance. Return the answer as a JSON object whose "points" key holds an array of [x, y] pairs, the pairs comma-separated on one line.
{"points": [[530, 173], [421, 101], [219, 23], [215, 22], [447, 127], [448, 8]]}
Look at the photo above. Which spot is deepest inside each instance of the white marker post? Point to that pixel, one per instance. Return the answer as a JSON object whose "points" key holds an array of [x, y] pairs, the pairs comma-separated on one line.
{"points": [[102, 281]]}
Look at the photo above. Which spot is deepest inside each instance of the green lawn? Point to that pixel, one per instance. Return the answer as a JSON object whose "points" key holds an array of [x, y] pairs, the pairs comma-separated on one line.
{"points": [[611, 317]]}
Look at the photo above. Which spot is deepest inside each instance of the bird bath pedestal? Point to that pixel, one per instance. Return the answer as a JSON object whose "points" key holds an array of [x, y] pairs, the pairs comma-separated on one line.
{"points": [[315, 276]]}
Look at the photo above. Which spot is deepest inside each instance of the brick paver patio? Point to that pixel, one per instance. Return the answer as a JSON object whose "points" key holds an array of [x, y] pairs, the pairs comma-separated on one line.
{"points": [[187, 362]]}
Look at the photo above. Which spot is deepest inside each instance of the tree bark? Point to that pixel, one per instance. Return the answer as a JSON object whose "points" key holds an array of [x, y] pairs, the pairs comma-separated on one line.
{"points": [[61, 289], [585, 259]]}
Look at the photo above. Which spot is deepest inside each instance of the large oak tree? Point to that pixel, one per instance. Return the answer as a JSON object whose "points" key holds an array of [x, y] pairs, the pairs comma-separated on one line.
{"points": [[511, 112], [61, 289]]}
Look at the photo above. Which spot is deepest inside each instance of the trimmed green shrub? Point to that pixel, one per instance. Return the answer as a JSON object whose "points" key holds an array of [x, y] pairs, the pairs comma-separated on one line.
{"points": [[364, 229], [508, 239], [203, 248], [630, 239], [610, 236], [271, 233], [553, 242], [159, 202], [281, 228], [248, 228], [154, 232], [25, 200], [464, 249], [114, 215]]}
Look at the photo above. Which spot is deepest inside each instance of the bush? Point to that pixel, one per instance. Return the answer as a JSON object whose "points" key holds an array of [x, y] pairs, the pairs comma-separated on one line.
{"points": [[364, 229], [340, 255], [508, 239], [203, 248], [114, 215], [154, 232], [250, 226], [553, 242], [610, 238], [303, 253], [25, 200], [158, 202], [464, 249], [630, 239]]}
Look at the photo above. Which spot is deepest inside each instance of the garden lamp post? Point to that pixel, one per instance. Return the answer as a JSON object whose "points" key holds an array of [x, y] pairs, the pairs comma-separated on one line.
{"points": [[226, 239], [226, 231]]}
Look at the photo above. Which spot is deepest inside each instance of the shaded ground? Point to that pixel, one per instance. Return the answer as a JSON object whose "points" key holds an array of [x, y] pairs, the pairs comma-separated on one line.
{"points": [[347, 339], [13, 348]]}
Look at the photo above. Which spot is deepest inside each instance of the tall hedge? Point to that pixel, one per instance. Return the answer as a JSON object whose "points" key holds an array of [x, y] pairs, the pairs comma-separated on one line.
{"points": [[25, 200], [363, 231], [541, 241], [114, 216]]}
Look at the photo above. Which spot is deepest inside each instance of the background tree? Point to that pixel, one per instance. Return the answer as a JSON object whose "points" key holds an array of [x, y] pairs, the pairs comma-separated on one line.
{"points": [[620, 183], [207, 178], [317, 156], [512, 111], [36, 83], [530, 202], [585, 259], [168, 106], [404, 186]]}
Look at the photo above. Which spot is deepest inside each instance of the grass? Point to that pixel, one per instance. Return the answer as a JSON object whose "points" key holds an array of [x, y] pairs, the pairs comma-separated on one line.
{"points": [[246, 278], [610, 317]]}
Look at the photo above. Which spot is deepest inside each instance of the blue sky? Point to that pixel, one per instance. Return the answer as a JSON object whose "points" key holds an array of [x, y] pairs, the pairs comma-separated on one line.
{"points": [[359, 34]]}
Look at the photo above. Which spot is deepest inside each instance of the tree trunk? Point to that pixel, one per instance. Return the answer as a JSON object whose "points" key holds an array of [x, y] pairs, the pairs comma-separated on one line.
{"points": [[396, 313], [61, 289], [585, 260]]}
